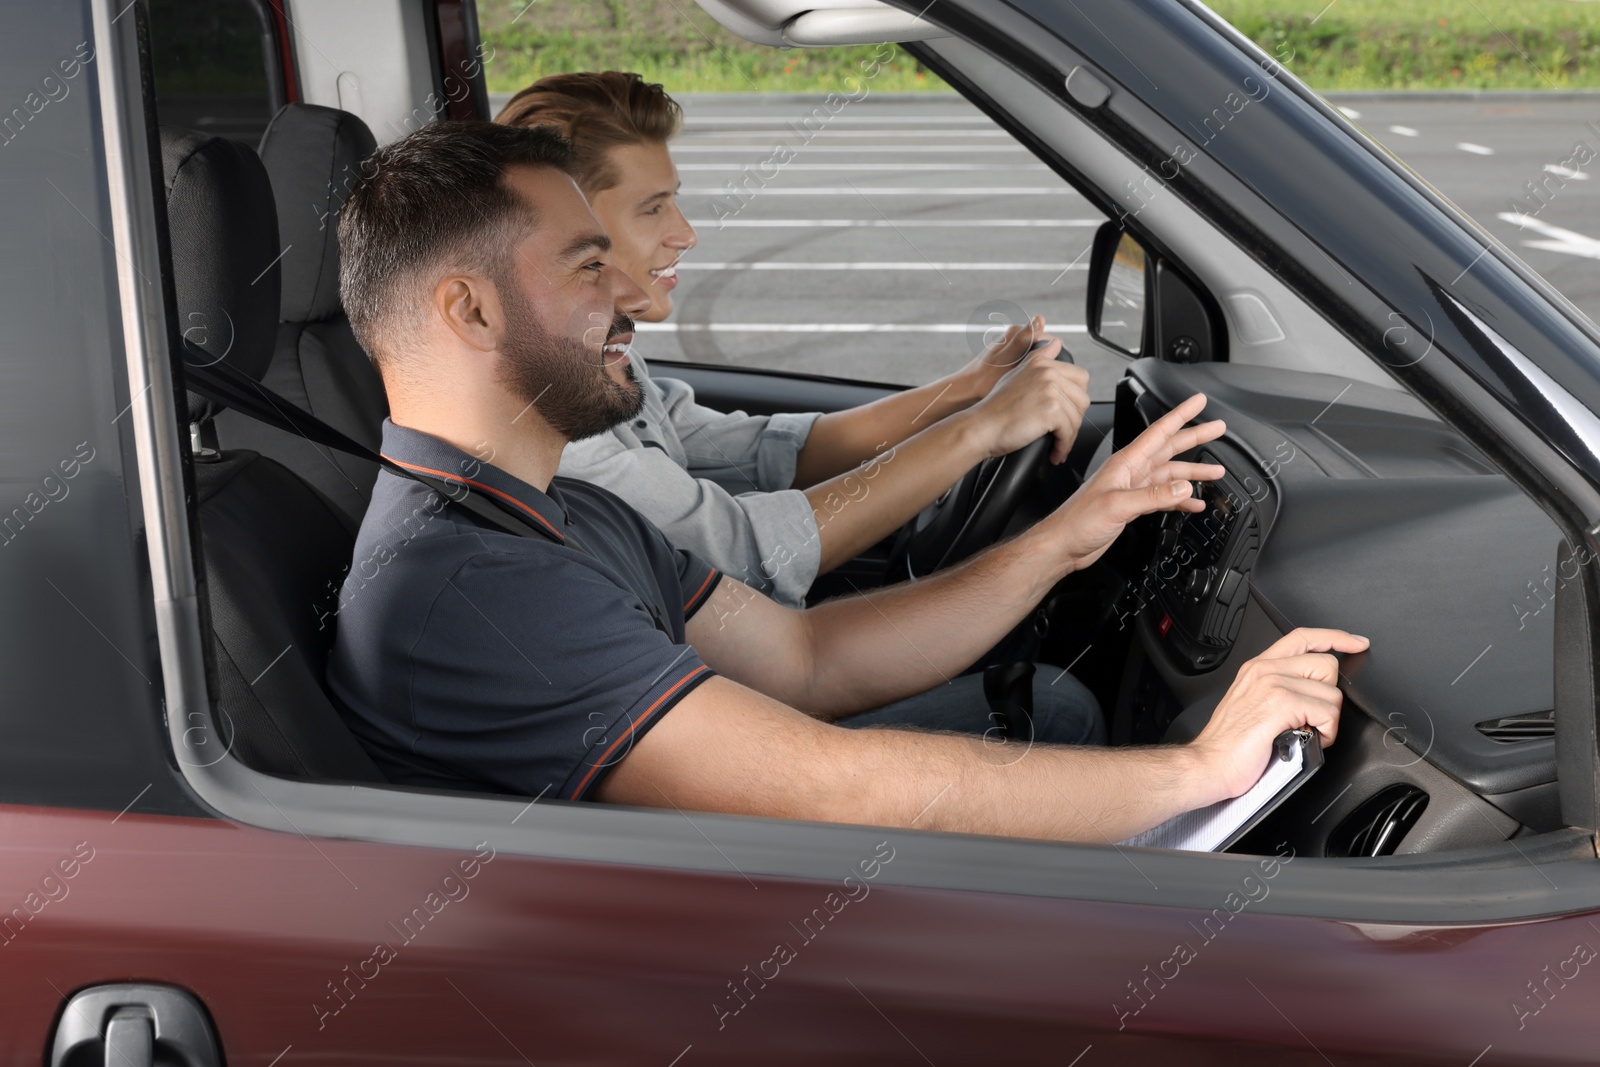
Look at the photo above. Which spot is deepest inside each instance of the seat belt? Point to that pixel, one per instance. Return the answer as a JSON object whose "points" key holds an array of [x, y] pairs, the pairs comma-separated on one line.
{"points": [[222, 384]]}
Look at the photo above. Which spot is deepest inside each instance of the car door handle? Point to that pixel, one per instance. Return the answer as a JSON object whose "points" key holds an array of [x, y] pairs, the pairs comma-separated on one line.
{"points": [[130, 1039], [129, 1024]]}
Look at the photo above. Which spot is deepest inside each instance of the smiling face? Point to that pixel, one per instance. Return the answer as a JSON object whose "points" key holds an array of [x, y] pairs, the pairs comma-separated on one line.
{"points": [[566, 311], [640, 213]]}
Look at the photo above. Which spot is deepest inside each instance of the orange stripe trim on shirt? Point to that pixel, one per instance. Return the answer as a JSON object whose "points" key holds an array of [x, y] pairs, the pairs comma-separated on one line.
{"points": [[475, 485], [640, 721], [695, 599]]}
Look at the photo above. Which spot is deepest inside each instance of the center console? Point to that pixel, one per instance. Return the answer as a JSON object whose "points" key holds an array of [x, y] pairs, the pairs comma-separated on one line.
{"points": [[1200, 576]]}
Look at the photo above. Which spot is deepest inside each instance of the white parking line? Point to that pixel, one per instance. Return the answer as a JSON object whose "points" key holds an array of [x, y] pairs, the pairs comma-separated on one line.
{"points": [[1475, 149], [1569, 241], [1404, 131], [760, 126], [896, 190], [1348, 112], [832, 327], [1566, 172], [814, 147], [806, 224], [877, 265], [854, 120], [989, 167]]}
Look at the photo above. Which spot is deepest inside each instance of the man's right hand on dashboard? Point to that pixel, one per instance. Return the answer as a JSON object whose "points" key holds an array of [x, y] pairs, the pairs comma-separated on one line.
{"points": [[1294, 683]]}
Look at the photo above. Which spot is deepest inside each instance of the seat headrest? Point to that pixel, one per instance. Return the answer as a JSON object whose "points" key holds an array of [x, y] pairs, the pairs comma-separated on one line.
{"points": [[313, 156], [224, 231]]}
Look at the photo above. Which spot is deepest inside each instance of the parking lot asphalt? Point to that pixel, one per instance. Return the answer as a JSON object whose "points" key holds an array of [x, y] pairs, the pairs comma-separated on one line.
{"points": [[883, 245], [1516, 165]]}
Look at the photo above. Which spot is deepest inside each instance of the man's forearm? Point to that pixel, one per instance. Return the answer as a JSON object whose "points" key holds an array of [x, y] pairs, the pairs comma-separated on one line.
{"points": [[783, 764], [890, 643], [855, 511], [969, 785], [842, 440]]}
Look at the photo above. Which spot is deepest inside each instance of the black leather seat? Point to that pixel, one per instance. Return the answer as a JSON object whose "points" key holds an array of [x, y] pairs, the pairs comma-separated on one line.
{"points": [[273, 548], [313, 157]]}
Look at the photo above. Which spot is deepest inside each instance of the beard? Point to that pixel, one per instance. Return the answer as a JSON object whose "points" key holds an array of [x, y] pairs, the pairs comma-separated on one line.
{"points": [[565, 379]]}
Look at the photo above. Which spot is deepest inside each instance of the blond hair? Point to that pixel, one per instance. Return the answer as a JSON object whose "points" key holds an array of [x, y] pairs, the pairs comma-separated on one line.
{"points": [[597, 111]]}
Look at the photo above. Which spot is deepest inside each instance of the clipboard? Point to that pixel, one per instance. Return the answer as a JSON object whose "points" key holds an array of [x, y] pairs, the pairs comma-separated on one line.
{"points": [[1296, 756]]}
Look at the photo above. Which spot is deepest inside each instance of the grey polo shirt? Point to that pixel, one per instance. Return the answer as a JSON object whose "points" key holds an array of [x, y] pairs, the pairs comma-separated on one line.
{"points": [[469, 657], [716, 483]]}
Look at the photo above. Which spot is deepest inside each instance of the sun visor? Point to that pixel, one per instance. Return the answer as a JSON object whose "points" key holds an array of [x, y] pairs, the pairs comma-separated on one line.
{"points": [[818, 23]]}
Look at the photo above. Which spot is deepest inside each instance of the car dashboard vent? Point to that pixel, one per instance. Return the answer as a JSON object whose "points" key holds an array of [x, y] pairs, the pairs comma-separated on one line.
{"points": [[1379, 824], [1512, 728]]}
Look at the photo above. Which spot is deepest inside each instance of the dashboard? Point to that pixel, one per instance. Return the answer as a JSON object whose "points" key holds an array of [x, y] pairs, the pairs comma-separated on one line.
{"points": [[1351, 505]]}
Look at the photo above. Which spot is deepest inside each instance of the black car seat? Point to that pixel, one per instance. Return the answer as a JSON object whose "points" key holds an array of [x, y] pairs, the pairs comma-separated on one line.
{"points": [[313, 157], [273, 548]]}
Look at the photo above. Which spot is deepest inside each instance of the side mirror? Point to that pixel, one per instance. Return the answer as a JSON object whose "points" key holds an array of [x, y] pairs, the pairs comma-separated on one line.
{"points": [[1143, 304], [1119, 290]]}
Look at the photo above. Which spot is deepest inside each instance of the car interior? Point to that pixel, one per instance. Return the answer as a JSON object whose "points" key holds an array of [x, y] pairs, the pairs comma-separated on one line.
{"points": [[1348, 501]]}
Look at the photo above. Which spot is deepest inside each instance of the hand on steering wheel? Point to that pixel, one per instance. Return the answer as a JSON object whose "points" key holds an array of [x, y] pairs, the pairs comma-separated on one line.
{"points": [[979, 377], [1039, 402], [1044, 393]]}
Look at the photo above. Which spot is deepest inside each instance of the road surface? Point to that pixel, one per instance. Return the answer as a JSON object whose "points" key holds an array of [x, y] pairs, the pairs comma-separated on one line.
{"points": [[884, 245]]}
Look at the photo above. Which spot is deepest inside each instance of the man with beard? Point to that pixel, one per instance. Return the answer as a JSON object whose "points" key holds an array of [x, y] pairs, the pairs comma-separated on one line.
{"points": [[591, 659], [776, 500]]}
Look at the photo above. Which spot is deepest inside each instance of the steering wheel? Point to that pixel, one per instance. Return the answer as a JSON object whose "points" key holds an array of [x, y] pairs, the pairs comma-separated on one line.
{"points": [[972, 513]]}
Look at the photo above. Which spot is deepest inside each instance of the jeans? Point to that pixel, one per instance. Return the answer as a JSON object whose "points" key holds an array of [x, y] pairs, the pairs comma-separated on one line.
{"points": [[1064, 711]]}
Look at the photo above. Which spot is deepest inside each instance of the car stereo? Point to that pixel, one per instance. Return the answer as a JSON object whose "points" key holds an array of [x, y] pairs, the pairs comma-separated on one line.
{"points": [[1199, 578]]}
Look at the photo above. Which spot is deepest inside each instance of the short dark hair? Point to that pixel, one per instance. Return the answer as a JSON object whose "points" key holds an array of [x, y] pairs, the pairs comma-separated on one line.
{"points": [[435, 198], [597, 111]]}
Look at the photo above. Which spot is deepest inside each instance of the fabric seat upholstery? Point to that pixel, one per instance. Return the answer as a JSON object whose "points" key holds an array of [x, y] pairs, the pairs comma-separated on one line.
{"points": [[273, 548], [313, 156]]}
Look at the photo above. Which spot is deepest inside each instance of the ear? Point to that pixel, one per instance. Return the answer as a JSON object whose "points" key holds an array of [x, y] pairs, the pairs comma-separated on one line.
{"points": [[470, 306]]}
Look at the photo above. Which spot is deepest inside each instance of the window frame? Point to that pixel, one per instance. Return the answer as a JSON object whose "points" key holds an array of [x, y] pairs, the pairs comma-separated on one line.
{"points": [[1489, 884]]}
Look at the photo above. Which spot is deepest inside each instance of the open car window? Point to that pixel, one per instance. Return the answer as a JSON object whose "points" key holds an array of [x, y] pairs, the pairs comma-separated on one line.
{"points": [[1272, 331], [870, 237]]}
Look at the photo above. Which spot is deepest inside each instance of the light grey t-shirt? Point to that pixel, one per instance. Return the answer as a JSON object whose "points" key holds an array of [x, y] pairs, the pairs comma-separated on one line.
{"points": [[715, 483]]}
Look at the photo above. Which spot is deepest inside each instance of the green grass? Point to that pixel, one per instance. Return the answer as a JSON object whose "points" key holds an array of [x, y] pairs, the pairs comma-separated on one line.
{"points": [[1427, 44], [521, 57], [672, 42], [1349, 44]]}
